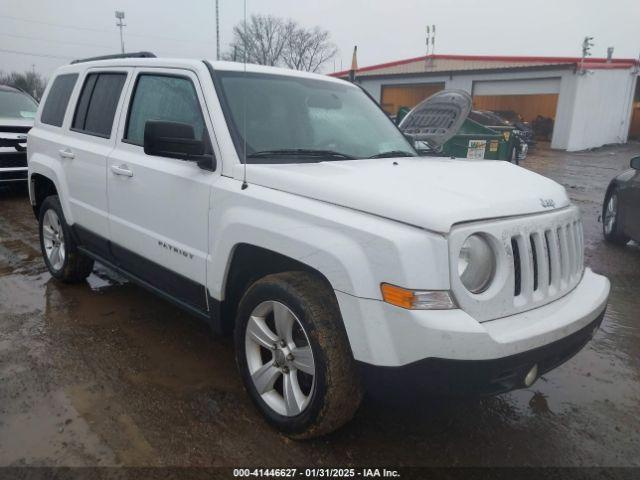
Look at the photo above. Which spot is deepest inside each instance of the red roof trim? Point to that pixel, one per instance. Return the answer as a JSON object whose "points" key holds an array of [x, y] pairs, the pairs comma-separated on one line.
{"points": [[590, 62]]}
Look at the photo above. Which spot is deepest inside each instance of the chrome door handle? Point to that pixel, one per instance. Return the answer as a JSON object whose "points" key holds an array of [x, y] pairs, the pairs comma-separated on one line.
{"points": [[121, 170], [66, 153]]}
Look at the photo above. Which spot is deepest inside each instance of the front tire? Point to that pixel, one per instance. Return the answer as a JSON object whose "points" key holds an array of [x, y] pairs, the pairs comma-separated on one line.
{"points": [[59, 249], [294, 356], [610, 219], [513, 156]]}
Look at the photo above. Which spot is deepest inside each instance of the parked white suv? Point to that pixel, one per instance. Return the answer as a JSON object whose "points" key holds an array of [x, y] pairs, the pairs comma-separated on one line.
{"points": [[287, 208]]}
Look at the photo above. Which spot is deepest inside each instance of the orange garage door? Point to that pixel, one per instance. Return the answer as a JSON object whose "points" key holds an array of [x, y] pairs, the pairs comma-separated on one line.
{"points": [[396, 96], [528, 106]]}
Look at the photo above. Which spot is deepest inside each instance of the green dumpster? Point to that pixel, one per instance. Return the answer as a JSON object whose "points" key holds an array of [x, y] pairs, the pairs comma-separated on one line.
{"points": [[472, 141], [475, 141]]}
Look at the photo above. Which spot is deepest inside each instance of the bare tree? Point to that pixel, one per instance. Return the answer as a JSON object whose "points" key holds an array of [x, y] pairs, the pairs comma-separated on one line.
{"points": [[307, 49], [31, 82], [263, 39], [269, 40]]}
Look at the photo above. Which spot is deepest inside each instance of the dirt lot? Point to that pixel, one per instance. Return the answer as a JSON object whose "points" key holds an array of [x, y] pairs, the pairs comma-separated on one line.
{"points": [[104, 373]]}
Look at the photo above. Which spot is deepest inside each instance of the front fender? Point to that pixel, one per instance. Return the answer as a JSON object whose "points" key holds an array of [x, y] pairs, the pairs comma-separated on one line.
{"points": [[355, 251]]}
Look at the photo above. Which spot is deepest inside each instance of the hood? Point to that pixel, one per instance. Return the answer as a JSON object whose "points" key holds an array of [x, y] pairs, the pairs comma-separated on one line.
{"points": [[427, 192], [15, 122]]}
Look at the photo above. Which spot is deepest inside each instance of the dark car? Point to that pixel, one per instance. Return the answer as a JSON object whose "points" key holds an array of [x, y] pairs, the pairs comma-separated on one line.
{"points": [[517, 146], [621, 208], [17, 110], [525, 129]]}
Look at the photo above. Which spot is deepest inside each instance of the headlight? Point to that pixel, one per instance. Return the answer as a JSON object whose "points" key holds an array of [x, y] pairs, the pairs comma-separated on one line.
{"points": [[476, 264]]}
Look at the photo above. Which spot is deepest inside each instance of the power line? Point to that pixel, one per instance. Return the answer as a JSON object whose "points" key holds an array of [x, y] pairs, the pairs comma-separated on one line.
{"points": [[34, 54], [104, 31], [73, 27], [48, 40]]}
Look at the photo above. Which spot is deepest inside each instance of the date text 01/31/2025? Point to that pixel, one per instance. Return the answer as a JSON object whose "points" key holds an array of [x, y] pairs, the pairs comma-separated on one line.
{"points": [[316, 472]]}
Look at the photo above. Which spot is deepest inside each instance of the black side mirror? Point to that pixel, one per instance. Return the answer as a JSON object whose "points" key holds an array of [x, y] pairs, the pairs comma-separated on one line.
{"points": [[635, 163], [173, 140]]}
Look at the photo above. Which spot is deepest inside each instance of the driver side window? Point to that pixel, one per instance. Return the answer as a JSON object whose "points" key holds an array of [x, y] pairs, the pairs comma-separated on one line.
{"points": [[163, 98]]}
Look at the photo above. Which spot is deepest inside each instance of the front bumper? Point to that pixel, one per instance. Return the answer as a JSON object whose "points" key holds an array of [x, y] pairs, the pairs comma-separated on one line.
{"points": [[13, 166], [8, 175], [387, 336], [483, 377]]}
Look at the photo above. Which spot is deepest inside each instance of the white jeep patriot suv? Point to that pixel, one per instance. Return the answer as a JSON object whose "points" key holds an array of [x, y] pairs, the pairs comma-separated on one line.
{"points": [[287, 208]]}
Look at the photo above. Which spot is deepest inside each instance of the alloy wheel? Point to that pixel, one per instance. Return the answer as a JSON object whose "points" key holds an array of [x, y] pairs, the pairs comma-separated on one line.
{"points": [[610, 214], [279, 358], [53, 239]]}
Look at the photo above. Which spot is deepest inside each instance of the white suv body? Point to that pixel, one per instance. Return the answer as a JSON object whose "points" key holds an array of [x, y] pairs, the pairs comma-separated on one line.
{"points": [[201, 237]]}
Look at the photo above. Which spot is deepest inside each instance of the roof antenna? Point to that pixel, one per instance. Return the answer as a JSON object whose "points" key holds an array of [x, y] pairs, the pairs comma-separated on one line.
{"points": [[245, 185]]}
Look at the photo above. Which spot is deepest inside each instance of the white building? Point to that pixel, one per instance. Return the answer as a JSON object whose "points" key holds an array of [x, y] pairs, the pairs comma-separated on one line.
{"points": [[591, 105]]}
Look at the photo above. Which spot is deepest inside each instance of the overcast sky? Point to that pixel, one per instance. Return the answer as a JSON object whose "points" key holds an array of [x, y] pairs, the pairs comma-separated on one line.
{"points": [[384, 30]]}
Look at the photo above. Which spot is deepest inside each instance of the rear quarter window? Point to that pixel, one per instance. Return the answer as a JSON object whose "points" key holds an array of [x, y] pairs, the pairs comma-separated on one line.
{"points": [[57, 100]]}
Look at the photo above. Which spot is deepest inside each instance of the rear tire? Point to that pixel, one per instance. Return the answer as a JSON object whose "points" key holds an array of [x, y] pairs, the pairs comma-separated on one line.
{"points": [[59, 249], [325, 392], [610, 219]]}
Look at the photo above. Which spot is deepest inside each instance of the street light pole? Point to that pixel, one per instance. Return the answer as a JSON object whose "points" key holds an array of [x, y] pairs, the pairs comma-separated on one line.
{"points": [[120, 17]]}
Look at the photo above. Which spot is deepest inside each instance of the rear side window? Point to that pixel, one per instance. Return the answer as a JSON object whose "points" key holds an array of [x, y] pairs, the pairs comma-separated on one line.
{"points": [[164, 98], [58, 98], [98, 102]]}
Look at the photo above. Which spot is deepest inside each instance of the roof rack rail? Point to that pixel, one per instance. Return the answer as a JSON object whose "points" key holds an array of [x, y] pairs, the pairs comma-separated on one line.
{"points": [[117, 55]]}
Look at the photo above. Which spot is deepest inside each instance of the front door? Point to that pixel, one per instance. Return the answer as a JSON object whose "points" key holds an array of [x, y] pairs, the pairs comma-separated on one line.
{"points": [[158, 207]]}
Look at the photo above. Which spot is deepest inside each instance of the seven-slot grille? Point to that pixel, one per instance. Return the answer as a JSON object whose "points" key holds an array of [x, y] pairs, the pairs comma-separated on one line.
{"points": [[538, 260], [547, 261]]}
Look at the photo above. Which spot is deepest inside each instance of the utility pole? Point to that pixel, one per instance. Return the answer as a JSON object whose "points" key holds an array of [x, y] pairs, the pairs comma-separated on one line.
{"points": [[587, 43], [430, 40], [217, 30], [34, 94], [120, 24]]}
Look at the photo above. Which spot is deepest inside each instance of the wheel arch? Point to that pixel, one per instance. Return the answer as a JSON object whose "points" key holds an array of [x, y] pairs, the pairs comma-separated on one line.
{"points": [[249, 263], [40, 187], [48, 174]]}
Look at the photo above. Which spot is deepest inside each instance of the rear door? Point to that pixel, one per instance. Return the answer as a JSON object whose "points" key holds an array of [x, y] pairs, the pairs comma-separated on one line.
{"points": [[158, 207], [84, 152]]}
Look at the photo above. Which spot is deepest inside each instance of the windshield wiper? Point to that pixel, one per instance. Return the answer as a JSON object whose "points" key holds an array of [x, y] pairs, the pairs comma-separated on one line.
{"points": [[393, 153], [300, 152]]}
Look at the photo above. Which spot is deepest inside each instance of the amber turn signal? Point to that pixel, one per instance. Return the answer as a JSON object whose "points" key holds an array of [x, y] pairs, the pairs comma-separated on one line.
{"points": [[416, 299]]}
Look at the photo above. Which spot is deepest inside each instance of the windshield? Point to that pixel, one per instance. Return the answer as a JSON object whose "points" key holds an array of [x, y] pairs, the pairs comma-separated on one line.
{"points": [[509, 115], [290, 120], [16, 105]]}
